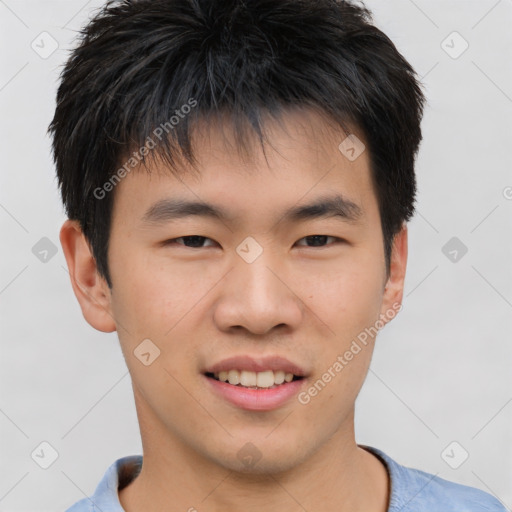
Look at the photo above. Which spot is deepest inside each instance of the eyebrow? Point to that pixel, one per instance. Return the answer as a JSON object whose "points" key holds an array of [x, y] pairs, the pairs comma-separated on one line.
{"points": [[170, 209]]}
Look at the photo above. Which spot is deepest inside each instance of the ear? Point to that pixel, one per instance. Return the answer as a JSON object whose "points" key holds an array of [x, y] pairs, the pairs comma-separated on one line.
{"points": [[394, 286], [90, 288]]}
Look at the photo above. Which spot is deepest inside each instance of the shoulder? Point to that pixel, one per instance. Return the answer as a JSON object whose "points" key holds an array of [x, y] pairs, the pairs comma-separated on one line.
{"points": [[84, 505], [413, 490], [105, 498]]}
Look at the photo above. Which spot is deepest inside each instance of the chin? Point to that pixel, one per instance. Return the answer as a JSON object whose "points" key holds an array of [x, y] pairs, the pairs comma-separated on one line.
{"points": [[256, 459]]}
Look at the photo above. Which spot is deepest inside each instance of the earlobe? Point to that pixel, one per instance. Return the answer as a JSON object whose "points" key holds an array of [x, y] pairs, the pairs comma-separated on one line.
{"points": [[394, 288], [90, 288]]}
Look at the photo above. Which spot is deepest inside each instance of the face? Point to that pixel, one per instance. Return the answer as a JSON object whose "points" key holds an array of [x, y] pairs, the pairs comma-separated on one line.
{"points": [[254, 289]]}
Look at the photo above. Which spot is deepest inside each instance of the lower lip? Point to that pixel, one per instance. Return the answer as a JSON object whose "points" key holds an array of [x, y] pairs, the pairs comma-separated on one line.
{"points": [[256, 399]]}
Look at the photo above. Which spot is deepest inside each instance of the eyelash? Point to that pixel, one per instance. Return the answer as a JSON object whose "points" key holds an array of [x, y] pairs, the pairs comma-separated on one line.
{"points": [[172, 241]]}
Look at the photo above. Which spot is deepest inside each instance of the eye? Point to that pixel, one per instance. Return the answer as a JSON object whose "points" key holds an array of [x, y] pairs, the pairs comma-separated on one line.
{"points": [[193, 241], [319, 240], [197, 241]]}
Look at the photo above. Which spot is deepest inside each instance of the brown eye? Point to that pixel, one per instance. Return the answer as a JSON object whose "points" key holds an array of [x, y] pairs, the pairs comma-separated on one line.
{"points": [[319, 240], [191, 241]]}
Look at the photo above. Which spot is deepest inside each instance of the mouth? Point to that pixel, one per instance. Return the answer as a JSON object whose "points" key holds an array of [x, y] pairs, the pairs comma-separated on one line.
{"points": [[254, 383], [267, 379]]}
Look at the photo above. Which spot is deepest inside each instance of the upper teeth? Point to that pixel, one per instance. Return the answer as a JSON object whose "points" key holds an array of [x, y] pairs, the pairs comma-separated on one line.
{"points": [[264, 379]]}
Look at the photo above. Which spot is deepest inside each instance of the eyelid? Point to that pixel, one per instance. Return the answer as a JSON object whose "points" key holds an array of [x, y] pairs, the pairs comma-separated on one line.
{"points": [[335, 238], [172, 241]]}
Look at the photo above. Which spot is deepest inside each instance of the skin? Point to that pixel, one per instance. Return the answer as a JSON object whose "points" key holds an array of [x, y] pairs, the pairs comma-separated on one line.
{"points": [[203, 303]]}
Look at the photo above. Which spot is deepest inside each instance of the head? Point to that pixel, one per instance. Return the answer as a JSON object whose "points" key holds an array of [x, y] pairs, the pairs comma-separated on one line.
{"points": [[246, 106]]}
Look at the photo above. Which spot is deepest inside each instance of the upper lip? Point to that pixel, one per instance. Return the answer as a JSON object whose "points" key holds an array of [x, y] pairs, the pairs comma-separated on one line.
{"points": [[256, 364]]}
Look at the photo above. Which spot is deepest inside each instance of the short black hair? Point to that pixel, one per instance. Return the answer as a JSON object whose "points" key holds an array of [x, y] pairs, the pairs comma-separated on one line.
{"points": [[138, 63]]}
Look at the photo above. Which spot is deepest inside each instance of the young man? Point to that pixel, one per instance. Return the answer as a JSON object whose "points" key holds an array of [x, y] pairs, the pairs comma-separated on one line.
{"points": [[238, 177]]}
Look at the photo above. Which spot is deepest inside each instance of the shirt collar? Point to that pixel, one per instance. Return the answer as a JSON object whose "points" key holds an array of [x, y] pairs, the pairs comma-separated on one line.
{"points": [[126, 469]]}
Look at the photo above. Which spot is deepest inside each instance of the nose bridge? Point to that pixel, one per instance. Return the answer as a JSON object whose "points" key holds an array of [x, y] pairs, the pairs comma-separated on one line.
{"points": [[253, 263], [257, 296], [258, 281]]}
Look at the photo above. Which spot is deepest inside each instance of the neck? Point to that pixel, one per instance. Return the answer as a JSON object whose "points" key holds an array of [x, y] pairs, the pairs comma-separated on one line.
{"points": [[340, 475]]}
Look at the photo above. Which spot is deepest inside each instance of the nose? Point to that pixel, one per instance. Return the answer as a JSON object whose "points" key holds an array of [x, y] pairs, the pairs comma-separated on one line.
{"points": [[258, 297]]}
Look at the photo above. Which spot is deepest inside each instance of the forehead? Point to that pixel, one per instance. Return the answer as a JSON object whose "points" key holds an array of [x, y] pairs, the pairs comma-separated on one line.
{"points": [[303, 160]]}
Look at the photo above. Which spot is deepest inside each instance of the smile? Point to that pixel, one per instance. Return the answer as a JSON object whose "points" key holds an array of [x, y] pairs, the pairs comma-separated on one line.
{"points": [[267, 379]]}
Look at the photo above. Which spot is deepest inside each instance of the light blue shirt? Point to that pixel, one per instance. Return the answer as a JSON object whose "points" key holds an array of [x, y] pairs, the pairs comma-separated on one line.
{"points": [[412, 490]]}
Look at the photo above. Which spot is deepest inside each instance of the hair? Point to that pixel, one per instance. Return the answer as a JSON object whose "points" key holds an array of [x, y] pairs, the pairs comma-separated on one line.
{"points": [[138, 63]]}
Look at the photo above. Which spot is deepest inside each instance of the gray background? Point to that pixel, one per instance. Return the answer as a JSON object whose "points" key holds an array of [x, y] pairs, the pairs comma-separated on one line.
{"points": [[442, 369]]}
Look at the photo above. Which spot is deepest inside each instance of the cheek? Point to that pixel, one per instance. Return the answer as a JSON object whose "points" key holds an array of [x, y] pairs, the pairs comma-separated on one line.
{"points": [[162, 304], [347, 298], [148, 298]]}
